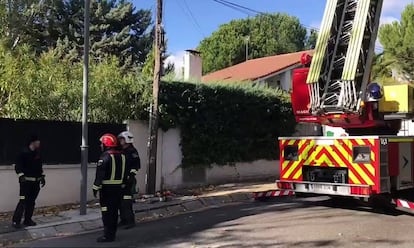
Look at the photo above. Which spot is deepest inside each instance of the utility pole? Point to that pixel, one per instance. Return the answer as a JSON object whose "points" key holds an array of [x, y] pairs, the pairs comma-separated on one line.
{"points": [[84, 146], [153, 123]]}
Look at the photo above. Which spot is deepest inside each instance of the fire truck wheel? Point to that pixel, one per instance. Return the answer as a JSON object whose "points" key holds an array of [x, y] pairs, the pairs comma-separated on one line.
{"points": [[382, 203]]}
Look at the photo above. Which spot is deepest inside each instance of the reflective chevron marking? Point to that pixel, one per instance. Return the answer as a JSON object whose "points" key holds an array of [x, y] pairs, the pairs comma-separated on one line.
{"points": [[339, 154]]}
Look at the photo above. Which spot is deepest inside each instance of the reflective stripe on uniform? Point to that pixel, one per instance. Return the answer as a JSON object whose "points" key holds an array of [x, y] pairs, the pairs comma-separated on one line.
{"points": [[112, 179], [96, 187], [134, 171], [112, 182], [123, 165], [104, 209], [127, 197], [32, 179], [22, 197], [113, 168]]}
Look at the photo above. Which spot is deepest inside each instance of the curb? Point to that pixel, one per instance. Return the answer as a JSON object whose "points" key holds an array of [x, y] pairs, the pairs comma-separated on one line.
{"points": [[143, 212]]}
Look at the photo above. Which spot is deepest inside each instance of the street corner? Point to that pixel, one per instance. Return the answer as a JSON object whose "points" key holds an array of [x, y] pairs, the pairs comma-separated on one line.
{"points": [[92, 225], [142, 215], [43, 232], [241, 197], [69, 229], [193, 205], [6, 239], [158, 213], [176, 209]]}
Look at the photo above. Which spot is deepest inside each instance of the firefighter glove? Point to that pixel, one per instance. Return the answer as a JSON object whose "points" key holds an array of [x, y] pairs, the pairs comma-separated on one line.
{"points": [[131, 178], [95, 193], [42, 181], [22, 179]]}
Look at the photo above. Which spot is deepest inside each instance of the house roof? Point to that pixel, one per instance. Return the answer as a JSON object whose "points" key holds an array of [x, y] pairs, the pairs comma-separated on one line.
{"points": [[255, 69]]}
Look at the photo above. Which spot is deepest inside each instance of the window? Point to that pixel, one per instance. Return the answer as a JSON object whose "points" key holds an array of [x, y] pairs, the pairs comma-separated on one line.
{"points": [[361, 154], [291, 153]]}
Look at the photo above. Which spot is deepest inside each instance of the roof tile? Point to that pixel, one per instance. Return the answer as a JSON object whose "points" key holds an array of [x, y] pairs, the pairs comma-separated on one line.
{"points": [[256, 68]]}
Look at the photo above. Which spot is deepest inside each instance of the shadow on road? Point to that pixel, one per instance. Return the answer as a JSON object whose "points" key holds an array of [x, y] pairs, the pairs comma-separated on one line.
{"points": [[228, 226]]}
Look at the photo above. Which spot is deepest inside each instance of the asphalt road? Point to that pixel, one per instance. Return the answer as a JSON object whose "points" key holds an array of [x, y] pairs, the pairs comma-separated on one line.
{"points": [[310, 222]]}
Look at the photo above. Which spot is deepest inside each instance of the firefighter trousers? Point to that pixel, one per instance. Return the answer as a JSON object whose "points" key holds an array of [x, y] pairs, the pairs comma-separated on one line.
{"points": [[28, 194], [110, 201], [127, 212]]}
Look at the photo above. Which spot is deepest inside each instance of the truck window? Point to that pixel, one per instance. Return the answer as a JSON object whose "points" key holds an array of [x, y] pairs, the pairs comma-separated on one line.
{"points": [[291, 153], [361, 154]]}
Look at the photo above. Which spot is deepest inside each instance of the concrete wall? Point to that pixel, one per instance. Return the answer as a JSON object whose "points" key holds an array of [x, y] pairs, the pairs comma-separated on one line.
{"points": [[286, 80], [62, 186], [282, 79], [63, 181], [242, 172], [171, 176]]}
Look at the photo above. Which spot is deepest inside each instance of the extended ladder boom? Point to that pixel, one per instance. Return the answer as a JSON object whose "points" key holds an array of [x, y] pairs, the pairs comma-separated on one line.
{"points": [[341, 65]]}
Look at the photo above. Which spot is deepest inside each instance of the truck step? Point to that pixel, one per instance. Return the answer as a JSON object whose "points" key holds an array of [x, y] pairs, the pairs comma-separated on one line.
{"points": [[272, 193], [403, 204]]}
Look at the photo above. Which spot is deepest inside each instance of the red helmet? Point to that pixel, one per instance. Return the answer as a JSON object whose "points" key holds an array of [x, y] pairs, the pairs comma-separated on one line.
{"points": [[109, 140], [305, 59]]}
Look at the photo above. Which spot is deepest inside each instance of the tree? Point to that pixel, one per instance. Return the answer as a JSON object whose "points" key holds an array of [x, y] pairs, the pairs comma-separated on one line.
{"points": [[148, 68], [270, 34], [381, 68], [311, 40], [397, 39], [117, 28], [46, 86], [22, 21]]}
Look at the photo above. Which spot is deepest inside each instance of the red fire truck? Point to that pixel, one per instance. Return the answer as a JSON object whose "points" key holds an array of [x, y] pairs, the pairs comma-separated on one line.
{"points": [[333, 88]]}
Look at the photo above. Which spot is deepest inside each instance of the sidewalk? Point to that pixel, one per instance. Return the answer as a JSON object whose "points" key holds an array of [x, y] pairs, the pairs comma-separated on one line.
{"points": [[68, 221]]}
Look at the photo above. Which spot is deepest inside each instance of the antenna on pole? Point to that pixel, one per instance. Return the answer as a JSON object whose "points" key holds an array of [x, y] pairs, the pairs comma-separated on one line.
{"points": [[247, 39]]}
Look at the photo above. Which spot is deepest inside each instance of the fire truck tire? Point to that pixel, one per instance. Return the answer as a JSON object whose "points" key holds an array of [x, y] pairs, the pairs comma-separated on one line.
{"points": [[262, 199], [342, 201], [382, 203], [300, 195]]}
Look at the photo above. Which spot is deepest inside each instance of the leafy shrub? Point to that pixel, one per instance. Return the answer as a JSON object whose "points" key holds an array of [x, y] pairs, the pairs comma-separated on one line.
{"points": [[222, 124]]}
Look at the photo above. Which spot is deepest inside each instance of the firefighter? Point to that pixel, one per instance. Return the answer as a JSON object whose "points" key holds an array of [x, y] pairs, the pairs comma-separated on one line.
{"points": [[109, 182], [29, 170], [126, 140]]}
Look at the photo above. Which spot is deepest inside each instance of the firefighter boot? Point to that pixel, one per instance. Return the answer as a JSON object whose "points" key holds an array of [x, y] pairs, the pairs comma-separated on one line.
{"points": [[104, 239]]}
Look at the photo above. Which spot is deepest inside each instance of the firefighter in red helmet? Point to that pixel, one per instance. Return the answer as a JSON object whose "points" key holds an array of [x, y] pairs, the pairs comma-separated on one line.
{"points": [[109, 181]]}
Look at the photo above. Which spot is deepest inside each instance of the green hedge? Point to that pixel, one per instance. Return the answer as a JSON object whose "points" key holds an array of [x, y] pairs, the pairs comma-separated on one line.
{"points": [[225, 124], [219, 124]]}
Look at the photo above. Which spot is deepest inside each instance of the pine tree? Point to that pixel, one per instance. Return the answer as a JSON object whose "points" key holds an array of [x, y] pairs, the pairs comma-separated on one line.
{"points": [[117, 28]]}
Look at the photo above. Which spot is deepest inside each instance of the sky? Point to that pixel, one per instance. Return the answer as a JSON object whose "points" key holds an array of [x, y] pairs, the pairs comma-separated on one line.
{"points": [[187, 22]]}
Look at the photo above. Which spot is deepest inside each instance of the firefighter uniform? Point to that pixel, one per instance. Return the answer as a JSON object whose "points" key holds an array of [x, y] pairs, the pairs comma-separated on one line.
{"points": [[109, 181], [30, 172], [127, 212]]}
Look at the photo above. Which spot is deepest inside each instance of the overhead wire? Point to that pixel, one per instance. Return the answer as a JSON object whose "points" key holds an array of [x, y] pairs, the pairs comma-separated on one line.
{"points": [[190, 16], [194, 19], [245, 10]]}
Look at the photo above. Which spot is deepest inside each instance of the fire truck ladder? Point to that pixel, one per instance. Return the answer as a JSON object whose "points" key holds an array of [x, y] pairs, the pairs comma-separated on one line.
{"points": [[341, 66]]}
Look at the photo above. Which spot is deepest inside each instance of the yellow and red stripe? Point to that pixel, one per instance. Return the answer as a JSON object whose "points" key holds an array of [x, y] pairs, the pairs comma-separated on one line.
{"points": [[336, 154]]}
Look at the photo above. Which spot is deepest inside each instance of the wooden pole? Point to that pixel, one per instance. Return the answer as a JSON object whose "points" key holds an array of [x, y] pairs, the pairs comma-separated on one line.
{"points": [[154, 115]]}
